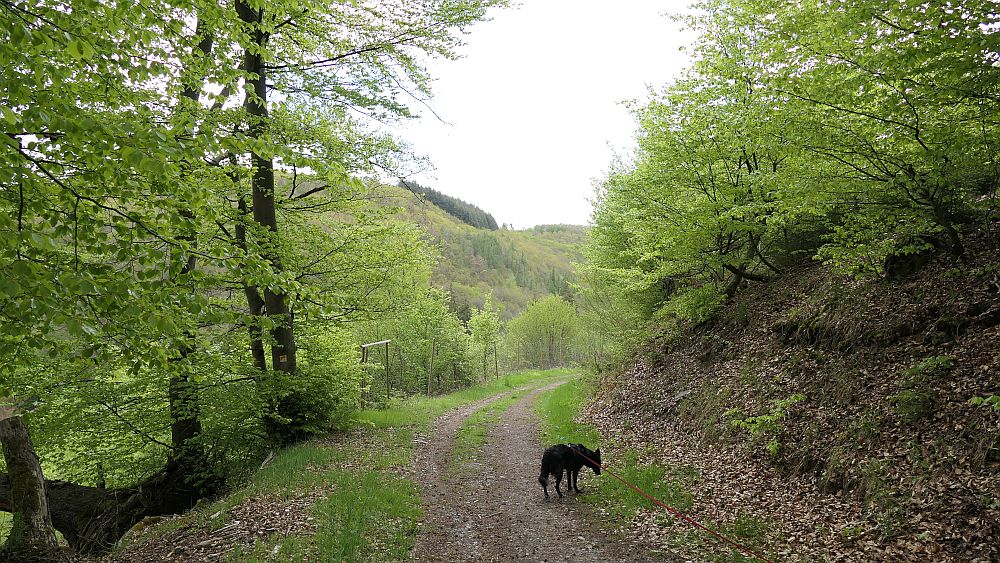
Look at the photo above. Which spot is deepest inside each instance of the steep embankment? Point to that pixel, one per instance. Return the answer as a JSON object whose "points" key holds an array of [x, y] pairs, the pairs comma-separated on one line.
{"points": [[865, 445]]}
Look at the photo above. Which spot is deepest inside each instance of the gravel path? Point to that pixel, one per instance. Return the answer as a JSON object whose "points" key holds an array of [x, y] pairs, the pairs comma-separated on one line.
{"points": [[492, 509]]}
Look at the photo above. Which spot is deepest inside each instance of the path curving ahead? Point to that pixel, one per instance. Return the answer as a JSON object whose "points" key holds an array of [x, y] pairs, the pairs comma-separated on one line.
{"points": [[492, 509]]}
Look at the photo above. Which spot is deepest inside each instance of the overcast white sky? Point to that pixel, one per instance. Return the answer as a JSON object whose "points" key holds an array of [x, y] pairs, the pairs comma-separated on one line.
{"points": [[533, 110]]}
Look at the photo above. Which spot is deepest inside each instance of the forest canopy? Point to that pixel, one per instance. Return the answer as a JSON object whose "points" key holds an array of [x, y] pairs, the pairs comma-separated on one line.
{"points": [[463, 211], [861, 134]]}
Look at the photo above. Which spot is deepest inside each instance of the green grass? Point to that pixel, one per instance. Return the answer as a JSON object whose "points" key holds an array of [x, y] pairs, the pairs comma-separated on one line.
{"points": [[747, 529], [472, 434], [420, 412], [671, 484], [558, 410], [559, 407], [368, 512], [367, 516]]}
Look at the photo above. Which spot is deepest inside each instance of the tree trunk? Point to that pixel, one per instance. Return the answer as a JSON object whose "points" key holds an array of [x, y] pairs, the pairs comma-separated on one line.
{"points": [[32, 533], [264, 209], [388, 382], [941, 217], [552, 350], [185, 424], [265, 214], [255, 303], [183, 402], [486, 356], [430, 368], [188, 464], [184, 405], [93, 519]]}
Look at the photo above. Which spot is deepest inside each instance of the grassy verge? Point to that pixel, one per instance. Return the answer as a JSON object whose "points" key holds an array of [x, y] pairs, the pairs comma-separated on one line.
{"points": [[366, 511], [672, 484], [558, 410]]}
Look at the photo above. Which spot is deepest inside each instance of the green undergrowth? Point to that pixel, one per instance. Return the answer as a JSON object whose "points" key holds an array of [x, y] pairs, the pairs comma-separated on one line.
{"points": [[671, 484], [363, 516], [558, 410], [365, 510], [746, 529]]}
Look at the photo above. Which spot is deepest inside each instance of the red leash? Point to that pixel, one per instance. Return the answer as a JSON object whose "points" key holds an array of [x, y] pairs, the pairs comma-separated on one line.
{"points": [[677, 513]]}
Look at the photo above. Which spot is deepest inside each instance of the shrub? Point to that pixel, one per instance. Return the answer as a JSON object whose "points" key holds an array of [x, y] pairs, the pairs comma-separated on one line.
{"points": [[932, 366], [695, 305], [912, 405], [992, 400], [916, 401], [323, 392], [769, 424]]}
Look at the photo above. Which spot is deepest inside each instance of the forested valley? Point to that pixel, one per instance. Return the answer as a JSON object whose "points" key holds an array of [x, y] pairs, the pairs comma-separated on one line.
{"points": [[783, 318]]}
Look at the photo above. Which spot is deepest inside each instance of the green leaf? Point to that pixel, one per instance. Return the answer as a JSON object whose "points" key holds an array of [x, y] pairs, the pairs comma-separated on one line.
{"points": [[73, 49], [74, 327], [80, 50], [9, 287], [9, 116], [41, 241], [152, 165]]}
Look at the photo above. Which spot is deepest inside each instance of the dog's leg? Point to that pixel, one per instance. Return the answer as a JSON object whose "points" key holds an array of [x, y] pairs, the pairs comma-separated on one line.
{"points": [[558, 480], [576, 475]]}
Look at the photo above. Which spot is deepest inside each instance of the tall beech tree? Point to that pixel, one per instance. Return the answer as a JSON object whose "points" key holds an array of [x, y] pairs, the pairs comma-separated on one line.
{"points": [[484, 328], [347, 55], [95, 173]]}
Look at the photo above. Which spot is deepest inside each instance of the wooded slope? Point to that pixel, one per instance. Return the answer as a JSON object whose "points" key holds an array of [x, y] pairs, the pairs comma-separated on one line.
{"points": [[862, 395], [518, 266]]}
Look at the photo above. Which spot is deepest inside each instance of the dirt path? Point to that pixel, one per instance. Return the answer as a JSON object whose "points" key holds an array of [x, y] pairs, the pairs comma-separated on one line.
{"points": [[492, 509]]}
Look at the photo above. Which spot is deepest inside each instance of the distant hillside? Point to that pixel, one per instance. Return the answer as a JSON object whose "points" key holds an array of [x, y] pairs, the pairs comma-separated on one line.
{"points": [[461, 210], [517, 266]]}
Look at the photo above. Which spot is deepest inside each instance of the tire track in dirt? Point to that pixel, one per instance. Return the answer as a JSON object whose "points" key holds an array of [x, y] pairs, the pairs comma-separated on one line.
{"points": [[492, 508]]}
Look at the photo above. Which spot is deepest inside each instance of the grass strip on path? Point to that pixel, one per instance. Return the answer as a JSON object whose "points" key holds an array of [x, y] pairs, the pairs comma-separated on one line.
{"points": [[365, 507], [472, 434]]}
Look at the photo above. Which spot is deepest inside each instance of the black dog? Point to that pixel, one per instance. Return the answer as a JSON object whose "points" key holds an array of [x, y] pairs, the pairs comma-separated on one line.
{"points": [[567, 457]]}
